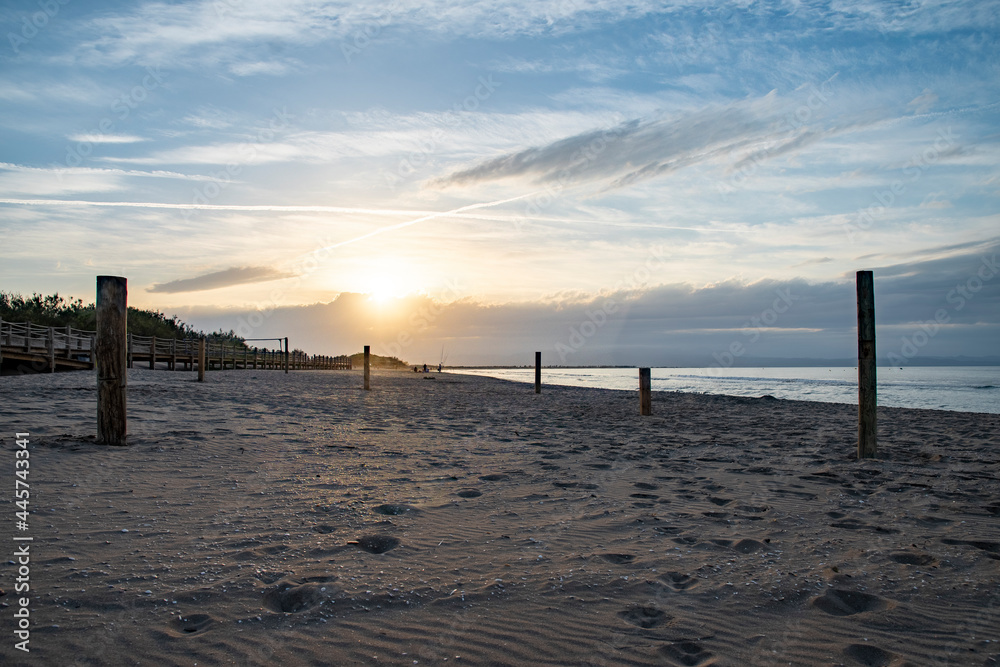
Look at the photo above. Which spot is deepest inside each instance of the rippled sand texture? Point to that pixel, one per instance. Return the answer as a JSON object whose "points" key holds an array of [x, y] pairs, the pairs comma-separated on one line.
{"points": [[264, 518]]}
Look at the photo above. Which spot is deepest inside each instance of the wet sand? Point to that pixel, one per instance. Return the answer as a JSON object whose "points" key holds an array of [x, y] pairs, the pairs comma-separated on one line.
{"points": [[264, 518]]}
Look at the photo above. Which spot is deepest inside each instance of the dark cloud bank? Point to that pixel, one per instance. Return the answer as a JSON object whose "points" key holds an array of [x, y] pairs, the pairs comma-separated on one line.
{"points": [[945, 307]]}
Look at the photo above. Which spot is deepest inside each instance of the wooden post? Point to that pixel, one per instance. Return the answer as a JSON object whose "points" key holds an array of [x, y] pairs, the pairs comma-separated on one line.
{"points": [[367, 367], [538, 372], [129, 349], [201, 359], [286, 354], [152, 353], [867, 424], [50, 344], [109, 359], [1, 340], [173, 354], [645, 392], [69, 345]]}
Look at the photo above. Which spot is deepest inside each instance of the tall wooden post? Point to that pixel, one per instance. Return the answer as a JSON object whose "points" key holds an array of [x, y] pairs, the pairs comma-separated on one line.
{"points": [[867, 424], [50, 345], [645, 392], [201, 359], [538, 372], [368, 370], [109, 359], [286, 354]]}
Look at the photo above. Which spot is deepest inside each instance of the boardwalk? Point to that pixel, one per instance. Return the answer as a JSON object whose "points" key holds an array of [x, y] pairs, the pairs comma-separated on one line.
{"points": [[26, 348]]}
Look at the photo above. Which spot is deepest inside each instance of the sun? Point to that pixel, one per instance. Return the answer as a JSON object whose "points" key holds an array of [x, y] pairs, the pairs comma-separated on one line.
{"points": [[394, 280]]}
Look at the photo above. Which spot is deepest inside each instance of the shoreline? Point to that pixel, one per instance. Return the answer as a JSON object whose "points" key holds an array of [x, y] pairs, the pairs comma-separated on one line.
{"points": [[261, 517]]}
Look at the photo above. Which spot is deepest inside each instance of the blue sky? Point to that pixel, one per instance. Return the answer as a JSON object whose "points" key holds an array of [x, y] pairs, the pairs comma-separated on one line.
{"points": [[524, 160]]}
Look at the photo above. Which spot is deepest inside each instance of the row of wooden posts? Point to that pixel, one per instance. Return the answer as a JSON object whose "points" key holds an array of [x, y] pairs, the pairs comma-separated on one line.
{"points": [[111, 348], [867, 420]]}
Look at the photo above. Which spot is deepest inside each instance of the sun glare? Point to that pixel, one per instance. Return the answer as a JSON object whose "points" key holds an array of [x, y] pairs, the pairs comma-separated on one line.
{"points": [[393, 281]]}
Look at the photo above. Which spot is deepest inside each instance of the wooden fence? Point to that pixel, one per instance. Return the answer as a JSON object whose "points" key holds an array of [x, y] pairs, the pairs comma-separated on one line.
{"points": [[49, 348]]}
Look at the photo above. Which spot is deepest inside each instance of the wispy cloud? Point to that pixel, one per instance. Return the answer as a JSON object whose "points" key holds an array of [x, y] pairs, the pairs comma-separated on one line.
{"points": [[106, 138], [237, 275], [644, 148]]}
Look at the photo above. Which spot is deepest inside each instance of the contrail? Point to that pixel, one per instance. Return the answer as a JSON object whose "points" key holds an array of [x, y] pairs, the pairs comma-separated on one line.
{"points": [[215, 207], [431, 216]]}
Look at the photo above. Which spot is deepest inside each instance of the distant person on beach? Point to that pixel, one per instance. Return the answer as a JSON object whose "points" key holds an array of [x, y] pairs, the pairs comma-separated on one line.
{"points": [[416, 370], [425, 368], [439, 367]]}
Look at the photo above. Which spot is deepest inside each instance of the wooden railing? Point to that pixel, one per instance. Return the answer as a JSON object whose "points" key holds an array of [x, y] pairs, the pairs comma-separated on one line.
{"points": [[46, 348]]}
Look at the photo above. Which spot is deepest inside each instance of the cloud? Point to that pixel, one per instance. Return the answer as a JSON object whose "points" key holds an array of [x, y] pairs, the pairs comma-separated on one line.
{"points": [[645, 148], [241, 275], [255, 68], [106, 138], [667, 325]]}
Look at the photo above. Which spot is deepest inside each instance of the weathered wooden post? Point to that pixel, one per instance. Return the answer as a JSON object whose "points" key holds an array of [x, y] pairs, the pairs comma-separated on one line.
{"points": [[867, 419], [152, 353], [201, 359], [69, 338], [173, 354], [286, 354], [50, 345], [538, 372], [645, 392], [109, 359], [368, 367]]}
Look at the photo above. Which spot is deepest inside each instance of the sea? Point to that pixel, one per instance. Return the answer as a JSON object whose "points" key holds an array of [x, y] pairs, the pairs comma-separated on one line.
{"points": [[956, 388]]}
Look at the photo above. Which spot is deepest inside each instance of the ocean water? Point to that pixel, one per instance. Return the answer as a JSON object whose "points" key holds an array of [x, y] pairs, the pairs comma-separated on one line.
{"points": [[958, 388]]}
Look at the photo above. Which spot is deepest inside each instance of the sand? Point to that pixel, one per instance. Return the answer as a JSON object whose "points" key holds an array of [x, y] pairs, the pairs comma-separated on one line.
{"points": [[263, 518]]}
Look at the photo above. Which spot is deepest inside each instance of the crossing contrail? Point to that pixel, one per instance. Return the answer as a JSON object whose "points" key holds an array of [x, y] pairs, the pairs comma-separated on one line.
{"points": [[424, 218]]}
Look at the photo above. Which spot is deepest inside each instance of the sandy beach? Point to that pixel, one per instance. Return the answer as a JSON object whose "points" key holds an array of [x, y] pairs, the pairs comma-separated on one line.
{"points": [[264, 518]]}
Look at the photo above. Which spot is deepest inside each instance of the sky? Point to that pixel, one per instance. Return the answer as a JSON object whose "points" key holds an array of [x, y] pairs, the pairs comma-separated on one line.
{"points": [[636, 183]]}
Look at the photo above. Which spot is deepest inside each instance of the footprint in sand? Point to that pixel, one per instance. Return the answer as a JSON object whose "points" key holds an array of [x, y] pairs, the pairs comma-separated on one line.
{"points": [[290, 598], [618, 559], [870, 656], [690, 654], [324, 529], [376, 544], [497, 477], [646, 485], [839, 602], [468, 493], [678, 581], [913, 559], [992, 549], [644, 617], [747, 546], [394, 509], [192, 624]]}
